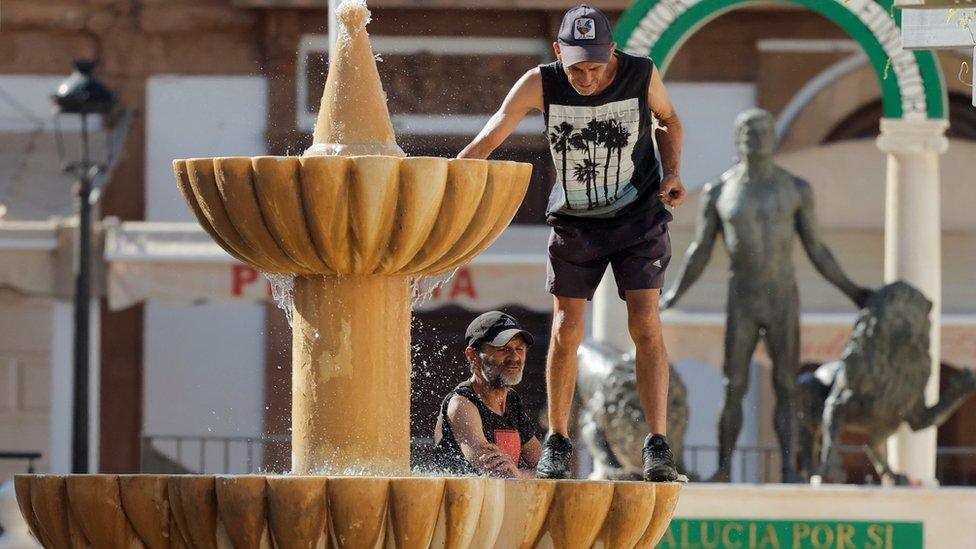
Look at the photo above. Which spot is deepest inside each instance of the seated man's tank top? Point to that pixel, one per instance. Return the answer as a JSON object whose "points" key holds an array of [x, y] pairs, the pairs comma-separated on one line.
{"points": [[509, 432]]}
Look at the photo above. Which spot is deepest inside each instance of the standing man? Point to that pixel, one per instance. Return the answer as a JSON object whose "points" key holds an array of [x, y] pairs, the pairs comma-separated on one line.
{"points": [[759, 208], [607, 207], [482, 427]]}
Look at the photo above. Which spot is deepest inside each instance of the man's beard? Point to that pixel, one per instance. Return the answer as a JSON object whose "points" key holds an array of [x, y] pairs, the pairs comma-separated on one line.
{"points": [[498, 378]]}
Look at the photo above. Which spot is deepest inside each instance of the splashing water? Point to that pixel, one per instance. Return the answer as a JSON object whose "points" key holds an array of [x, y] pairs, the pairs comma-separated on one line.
{"points": [[425, 286], [283, 292]]}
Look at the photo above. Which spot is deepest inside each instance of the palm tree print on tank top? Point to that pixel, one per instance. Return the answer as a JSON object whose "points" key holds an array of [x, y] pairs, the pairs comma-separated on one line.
{"points": [[602, 147], [594, 146]]}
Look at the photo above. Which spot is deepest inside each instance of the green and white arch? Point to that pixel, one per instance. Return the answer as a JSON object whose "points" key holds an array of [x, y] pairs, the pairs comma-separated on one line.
{"points": [[913, 88]]}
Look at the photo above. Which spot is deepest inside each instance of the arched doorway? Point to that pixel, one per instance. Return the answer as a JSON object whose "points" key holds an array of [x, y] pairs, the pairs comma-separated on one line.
{"points": [[911, 83], [863, 122]]}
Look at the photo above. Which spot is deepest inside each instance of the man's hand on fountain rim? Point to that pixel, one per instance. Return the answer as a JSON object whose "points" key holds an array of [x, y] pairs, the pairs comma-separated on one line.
{"points": [[495, 462]]}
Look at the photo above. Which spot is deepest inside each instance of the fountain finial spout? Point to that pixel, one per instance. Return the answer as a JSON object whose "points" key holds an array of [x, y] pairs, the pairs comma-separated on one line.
{"points": [[353, 118]]}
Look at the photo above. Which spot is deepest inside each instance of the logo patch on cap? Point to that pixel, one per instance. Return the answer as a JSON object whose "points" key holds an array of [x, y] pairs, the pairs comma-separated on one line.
{"points": [[584, 29]]}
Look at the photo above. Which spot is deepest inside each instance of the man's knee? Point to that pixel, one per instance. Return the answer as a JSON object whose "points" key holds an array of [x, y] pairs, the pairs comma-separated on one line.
{"points": [[567, 331], [645, 329]]}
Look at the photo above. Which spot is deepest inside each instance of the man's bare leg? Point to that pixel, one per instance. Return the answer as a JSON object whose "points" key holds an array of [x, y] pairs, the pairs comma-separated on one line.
{"points": [[567, 334], [644, 322]]}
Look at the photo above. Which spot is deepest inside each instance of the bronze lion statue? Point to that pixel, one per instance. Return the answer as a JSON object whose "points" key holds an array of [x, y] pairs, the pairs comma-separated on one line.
{"points": [[878, 383]]}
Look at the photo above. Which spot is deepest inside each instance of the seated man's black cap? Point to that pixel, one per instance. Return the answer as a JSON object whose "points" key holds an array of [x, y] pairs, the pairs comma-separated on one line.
{"points": [[494, 328]]}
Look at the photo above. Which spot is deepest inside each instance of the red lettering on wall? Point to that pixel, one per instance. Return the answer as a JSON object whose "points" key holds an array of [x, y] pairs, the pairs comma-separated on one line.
{"points": [[463, 285], [241, 276]]}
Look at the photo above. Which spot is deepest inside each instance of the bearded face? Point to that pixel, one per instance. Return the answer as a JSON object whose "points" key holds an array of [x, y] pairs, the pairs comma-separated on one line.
{"points": [[503, 366]]}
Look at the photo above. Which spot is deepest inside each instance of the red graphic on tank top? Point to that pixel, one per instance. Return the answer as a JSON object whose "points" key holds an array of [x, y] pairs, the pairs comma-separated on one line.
{"points": [[510, 443]]}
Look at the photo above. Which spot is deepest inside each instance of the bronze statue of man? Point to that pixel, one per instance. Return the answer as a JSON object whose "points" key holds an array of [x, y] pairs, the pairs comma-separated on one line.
{"points": [[759, 208]]}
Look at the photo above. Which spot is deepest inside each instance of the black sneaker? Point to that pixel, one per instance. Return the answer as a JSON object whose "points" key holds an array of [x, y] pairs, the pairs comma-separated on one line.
{"points": [[658, 460], [557, 456]]}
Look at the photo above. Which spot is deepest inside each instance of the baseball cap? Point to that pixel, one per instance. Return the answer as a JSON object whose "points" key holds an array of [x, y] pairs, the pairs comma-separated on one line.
{"points": [[494, 328], [585, 35]]}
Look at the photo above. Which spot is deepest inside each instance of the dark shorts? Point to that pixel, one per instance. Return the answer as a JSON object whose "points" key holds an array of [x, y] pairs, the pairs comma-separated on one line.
{"points": [[638, 253]]}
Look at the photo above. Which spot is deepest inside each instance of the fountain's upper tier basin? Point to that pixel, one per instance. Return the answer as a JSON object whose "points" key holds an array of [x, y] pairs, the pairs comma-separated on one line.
{"points": [[359, 215], [292, 512]]}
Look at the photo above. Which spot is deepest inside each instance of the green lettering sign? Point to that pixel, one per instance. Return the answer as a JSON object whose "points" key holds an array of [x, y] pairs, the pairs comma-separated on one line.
{"points": [[791, 534]]}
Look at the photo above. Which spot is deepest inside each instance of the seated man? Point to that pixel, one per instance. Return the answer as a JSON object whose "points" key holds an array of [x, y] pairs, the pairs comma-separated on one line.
{"points": [[482, 428]]}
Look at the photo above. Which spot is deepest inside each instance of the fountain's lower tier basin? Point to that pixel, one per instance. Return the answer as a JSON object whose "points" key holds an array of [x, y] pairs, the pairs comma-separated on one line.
{"points": [[157, 511]]}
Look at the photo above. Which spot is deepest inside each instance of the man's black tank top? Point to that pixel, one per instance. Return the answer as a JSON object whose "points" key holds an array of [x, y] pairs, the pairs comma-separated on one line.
{"points": [[509, 431], [602, 146]]}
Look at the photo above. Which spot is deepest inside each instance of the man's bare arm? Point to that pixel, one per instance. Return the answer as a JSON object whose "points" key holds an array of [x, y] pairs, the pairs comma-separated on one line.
{"points": [[819, 254], [468, 431], [525, 96], [700, 250], [531, 453], [668, 140]]}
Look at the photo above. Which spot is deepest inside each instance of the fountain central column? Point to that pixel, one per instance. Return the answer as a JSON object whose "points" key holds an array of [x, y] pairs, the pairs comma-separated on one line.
{"points": [[351, 375]]}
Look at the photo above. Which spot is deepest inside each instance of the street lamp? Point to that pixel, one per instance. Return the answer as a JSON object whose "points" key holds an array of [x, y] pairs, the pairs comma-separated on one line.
{"points": [[83, 95]]}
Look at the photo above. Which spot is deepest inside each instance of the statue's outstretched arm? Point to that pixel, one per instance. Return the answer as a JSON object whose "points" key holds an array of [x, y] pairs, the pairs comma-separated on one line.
{"points": [[700, 250], [820, 256]]}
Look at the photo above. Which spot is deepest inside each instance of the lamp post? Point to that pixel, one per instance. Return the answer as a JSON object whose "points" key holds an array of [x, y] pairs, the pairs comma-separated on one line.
{"points": [[82, 95]]}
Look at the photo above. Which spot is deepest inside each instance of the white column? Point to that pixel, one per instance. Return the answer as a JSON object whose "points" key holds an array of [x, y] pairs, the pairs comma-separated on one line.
{"points": [[333, 30], [610, 315], [913, 254], [62, 385], [62, 381], [94, 386]]}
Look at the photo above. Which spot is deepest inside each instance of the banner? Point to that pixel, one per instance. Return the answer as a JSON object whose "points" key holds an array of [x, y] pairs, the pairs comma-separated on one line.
{"points": [[791, 534], [480, 285]]}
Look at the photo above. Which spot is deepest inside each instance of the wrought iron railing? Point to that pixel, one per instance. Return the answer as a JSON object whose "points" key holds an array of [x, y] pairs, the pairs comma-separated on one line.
{"points": [[29, 457], [955, 465], [203, 454], [213, 454]]}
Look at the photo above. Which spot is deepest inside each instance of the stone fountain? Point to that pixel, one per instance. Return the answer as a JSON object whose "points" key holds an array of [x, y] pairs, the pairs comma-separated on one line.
{"points": [[354, 221]]}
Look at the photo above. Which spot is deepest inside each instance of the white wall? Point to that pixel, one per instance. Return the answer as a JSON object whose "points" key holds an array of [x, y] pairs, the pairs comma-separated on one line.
{"points": [[194, 117], [707, 111], [204, 364], [26, 103], [25, 380], [35, 337]]}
